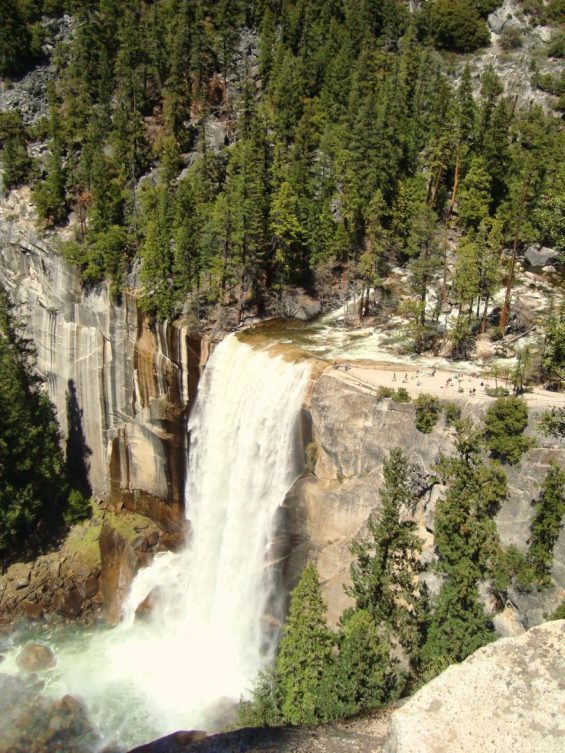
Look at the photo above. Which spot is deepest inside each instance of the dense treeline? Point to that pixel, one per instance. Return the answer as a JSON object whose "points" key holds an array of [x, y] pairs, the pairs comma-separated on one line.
{"points": [[398, 634], [348, 150]]}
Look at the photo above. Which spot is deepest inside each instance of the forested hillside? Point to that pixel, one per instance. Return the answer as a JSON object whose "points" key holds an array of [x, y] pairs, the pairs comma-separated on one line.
{"points": [[351, 141]]}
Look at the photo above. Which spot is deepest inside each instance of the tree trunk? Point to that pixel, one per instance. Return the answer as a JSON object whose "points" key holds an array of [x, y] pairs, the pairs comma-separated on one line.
{"points": [[510, 284]]}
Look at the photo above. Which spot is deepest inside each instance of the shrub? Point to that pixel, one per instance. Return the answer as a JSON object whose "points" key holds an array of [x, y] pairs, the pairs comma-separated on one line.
{"points": [[556, 46], [78, 507], [505, 422], [552, 423], [427, 413], [551, 84], [559, 613], [511, 567], [385, 392], [497, 392], [510, 39], [401, 396], [452, 413]]}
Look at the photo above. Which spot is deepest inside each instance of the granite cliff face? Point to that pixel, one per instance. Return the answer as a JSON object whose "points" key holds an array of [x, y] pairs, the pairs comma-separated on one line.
{"points": [[351, 433], [506, 696], [120, 383]]}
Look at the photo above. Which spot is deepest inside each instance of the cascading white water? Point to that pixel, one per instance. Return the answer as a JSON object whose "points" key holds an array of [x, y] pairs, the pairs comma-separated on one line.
{"points": [[208, 637]]}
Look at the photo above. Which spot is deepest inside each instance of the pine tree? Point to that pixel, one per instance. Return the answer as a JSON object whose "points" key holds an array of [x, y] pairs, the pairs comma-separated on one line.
{"points": [[505, 422], [475, 194], [385, 569], [287, 233], [465, 532], [17, 162], [305, 657], [549, 509], [33, 485], [365, 675], [467, 546]]}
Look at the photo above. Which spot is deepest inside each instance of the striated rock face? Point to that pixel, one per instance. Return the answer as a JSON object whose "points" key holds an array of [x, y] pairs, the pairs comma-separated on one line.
{"points": [[508, 696], [121, 386]]}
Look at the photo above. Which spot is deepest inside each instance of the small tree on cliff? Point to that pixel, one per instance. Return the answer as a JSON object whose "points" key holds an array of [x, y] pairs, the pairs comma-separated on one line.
{"points": [[365, 676], [385, 570], [547, 522], [301, 687], [305, 657], [466, 543]]}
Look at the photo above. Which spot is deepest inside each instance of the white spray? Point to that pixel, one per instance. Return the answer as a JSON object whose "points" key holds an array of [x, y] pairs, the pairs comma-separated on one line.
{"points": [[209, 635]]}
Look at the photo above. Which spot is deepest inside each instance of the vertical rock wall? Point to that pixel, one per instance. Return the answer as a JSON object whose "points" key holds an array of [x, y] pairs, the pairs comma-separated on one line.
{"points": [[121, 386]]}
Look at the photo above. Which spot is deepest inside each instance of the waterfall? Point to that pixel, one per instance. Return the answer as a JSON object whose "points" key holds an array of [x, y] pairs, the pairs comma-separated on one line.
{"points": [[210, 632]]}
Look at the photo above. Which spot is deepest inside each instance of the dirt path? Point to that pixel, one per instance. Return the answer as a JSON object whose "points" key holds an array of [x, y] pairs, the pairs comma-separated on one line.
{"points": [[447, 385]]}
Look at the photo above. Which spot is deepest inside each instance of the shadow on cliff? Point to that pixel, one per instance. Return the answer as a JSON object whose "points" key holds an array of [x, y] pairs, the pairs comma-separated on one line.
{"points": [[77, 450]]}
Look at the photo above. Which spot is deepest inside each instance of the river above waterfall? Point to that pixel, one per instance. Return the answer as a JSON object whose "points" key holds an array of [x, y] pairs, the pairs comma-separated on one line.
{"points": [[219, 602]]}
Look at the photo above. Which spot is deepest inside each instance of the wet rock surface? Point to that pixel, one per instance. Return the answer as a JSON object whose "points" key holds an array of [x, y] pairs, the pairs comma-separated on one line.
{"points": [[35, 657], [30, 722]]}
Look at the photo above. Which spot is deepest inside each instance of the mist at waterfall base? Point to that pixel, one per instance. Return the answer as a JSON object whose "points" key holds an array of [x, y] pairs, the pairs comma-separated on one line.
{"points": [[210, 633]]}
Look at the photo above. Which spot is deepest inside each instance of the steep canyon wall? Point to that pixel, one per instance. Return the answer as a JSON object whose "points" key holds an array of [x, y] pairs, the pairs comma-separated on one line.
{"points": [[121, 384]]}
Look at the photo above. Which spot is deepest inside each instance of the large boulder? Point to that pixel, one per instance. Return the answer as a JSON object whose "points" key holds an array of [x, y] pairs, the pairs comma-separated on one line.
{"points": [[539, 256], [507, 696], [35, 657], [297, 305]]}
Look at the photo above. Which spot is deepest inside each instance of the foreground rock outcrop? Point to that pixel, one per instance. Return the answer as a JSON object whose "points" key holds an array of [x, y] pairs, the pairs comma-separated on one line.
{"points": [[508, 696]]}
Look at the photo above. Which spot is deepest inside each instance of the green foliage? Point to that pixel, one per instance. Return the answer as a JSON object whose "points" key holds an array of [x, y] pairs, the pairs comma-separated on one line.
{"points": [[465, 532], [22, 34], [427, 413], [497, 392], [78, 507], [401, 395], [559, 613], [305, 659], [384, 571], [385, 391], [467, 547], [552, 423], [17, 163], [549, 509], [354, 152], [452, 413], [511, 38], [457, 26], [505, 422], [365, 674], [511, 567], [33, 487], [458, 627], [554, 347]]}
